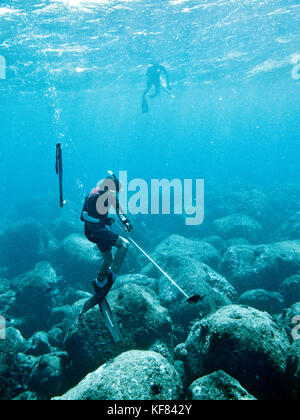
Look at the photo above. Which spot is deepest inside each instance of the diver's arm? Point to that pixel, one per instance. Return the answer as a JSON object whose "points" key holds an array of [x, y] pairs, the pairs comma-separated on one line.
{"points": [[86, 218], [85, 215], [84, 210], [121, 216]]}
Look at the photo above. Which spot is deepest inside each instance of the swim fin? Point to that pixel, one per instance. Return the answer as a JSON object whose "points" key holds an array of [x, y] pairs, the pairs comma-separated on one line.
{"points": [[110, 321], [195, 299], [89, 304], [145, 106], [107, 314], [102, 292]]}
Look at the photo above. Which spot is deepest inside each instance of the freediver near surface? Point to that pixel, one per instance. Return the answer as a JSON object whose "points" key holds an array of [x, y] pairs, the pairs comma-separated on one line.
{"points": [[97, 223], [154, 80]]}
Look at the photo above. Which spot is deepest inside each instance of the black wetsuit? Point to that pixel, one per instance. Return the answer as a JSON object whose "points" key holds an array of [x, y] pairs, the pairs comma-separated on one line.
{"points": [[98, 233], [154, 78]]}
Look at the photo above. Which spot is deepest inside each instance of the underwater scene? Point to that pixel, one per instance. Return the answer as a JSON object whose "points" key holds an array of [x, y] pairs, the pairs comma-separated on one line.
{"points": [[150, 200]]}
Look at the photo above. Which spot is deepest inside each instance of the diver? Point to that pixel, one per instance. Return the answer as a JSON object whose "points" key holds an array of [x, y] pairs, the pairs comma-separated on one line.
{"points": [[154, 80], [97, 222]]}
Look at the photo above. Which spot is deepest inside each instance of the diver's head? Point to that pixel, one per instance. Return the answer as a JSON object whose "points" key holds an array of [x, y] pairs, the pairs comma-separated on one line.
{"points": [[110, 183]]}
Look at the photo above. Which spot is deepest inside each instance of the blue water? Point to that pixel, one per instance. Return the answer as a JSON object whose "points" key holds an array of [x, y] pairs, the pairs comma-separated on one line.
{"points": [[76, 73]]}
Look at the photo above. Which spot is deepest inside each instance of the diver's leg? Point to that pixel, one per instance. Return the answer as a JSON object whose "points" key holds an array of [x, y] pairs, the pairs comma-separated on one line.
{"points": [[104, 281], [157, 91], [122, 245], [99, 283], [145, 107], [145, 94], [148, 88], [107, 261], [101, 286]]}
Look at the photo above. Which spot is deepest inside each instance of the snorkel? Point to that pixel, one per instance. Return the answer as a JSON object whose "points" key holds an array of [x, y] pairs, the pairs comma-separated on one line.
{"points": [[113, 177]]}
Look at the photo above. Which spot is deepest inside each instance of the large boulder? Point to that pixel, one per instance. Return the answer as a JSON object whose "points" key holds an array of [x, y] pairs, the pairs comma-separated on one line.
{"points": [[49, 376], [79, 260], [134, 375], [233, 199], [34, 298], [7, 298], [62, 317], [193, 277], [178, 246], [16, 340], [236, 242], [263, 300], [218, 386], [56, 338], [290, 289], [261, 267], [142, 321], [12, 374], [38, 344], [245, 343], [287, 254], [289, 318], [294, 369], [286, 201], [238, 226], [71, 295], [27, 396], [23, 245], [139, 279], [216, 242], [291, 228]]}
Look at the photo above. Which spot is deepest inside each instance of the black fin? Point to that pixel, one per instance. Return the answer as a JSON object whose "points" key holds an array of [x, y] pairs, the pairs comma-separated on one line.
{"points": [[101, 293], [89, 304], [195, 299], [145, 106], [110, 321]]}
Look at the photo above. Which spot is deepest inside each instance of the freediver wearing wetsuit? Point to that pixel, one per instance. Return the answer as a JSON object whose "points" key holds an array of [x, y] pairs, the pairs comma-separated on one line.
{"points": [[97, 222], [154, 73]]}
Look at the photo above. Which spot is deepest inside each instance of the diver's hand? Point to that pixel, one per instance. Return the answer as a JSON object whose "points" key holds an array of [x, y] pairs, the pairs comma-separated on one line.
{"points": [[126, 223], [110, 221], [127, 226]]}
